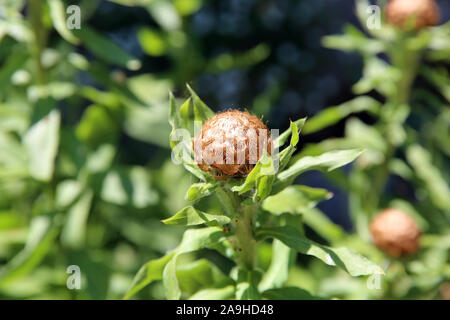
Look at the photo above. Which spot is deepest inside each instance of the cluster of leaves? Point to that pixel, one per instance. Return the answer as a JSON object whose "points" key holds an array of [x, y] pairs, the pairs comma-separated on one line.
{"points": [[405, 165], [78, 177], [277, 207]]}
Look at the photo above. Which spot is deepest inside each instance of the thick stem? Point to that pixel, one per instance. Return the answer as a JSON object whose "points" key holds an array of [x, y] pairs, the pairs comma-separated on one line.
{"points": [[35, 9], [245, 241]]}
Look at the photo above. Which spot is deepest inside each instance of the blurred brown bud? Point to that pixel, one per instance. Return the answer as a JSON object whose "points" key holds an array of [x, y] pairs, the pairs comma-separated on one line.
{"points": [[231, 143], [423, 12], [395, 232]]}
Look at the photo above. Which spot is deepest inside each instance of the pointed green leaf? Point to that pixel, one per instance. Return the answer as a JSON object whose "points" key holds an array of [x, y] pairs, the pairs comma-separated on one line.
{"points": [[351, 262], [193, 240], [437, 187], [74, 231], [263, 167], [199, 275], [214, 294], [326, 161], [106, 49], [333, 115], [295, 199], [148, 273], [57, 12], [278, 271], [189, 216], [200, 190], [40, 240], [41, 142], [295, 127], [201, 111]]}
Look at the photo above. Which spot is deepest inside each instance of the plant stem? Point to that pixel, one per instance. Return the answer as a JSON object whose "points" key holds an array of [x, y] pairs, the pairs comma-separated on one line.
{"points": [[407, 61], [242, 220], [246, 243], [35, 9]]}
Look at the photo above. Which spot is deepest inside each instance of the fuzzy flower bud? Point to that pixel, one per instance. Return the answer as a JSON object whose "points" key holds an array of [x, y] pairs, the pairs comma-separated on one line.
{"points": [[425, 12], [231, 143], [395, 232]]}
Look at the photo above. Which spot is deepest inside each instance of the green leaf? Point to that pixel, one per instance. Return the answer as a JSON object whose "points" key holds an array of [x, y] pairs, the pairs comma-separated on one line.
{"points": [[147, 123], [129, 186], [189, 216], [152, 42], [247, 287], [97, 126], [201, 110], [321, 224], [200, 274], [295, 199], [366, 136], [294, 127], [353, 40], [214, 294], [74, 231], [57, 12], [67, 192], [105, 49], [149, 272], [344, 258], [333, 115], [200, 190], [263, 167], [40, 239], [41, 142], [193, 240], [437, 188], [164, 14], [278, 271], [289, 293], [327, 161]]}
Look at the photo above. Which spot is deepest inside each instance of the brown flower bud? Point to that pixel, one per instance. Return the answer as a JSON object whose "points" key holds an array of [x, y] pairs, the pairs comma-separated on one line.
{"points": [[395, 232], [425, 13], [231, 143]]}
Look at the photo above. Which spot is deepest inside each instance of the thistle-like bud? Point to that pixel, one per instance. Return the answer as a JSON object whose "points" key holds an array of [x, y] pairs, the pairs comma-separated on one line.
{"points": [[395, 232], [423, 12], [230, 144]]}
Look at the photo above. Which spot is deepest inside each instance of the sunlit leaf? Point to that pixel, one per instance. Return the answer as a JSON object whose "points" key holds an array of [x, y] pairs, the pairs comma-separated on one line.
{"points": [[199, 190], [278, 271], [190, 216], [193, 240], [74, 231], [106, 49], [41, 142], [436, 186], [344, 258], [40, 238], [149, 272], [57, 12], [295, 199], [327, 161], [214, 294], [333, 115]]}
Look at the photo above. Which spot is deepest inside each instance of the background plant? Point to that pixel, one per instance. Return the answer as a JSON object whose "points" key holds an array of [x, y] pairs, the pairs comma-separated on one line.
{"points": [[404, 166]]}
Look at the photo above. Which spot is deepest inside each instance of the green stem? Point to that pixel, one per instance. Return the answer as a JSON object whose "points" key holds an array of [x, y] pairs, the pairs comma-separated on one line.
{"points": [[246, 242], [35, 10], [407, 61], [242, 220]]}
